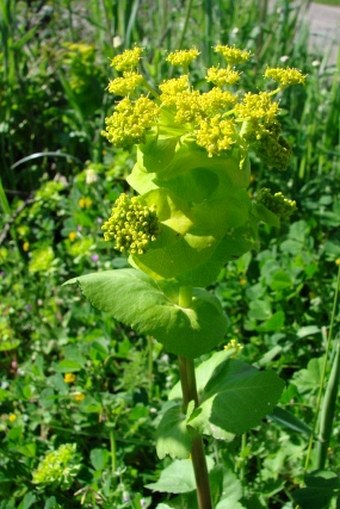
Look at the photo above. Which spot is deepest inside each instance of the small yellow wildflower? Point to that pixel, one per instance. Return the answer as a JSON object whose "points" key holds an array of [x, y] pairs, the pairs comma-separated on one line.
{"points": [[257, 107], [221, 77], [125, 84], [132, 225], [127, 60], [26, 246], [215, 135], [130, 122], [85, 203], [12, 418], [69, 378], [78, 396], [232, 55], [182, 57], [72, 236], [285, 76], [337, 261]]}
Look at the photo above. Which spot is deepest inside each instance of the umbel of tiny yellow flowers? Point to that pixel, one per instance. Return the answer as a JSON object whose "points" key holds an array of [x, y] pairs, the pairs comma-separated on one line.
{"points": [[132, 225], [193, 212]]}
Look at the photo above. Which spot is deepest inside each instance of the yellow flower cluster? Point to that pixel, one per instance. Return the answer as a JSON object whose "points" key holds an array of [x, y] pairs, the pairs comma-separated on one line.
{"points": [[215, 134], [257, 107], [235, 346], [132, 225], [213, 117], [127, 60], [126, 84], [233, 55], [221, 77], [216, 100], [182, 57], [131, 120], [285, 76]]}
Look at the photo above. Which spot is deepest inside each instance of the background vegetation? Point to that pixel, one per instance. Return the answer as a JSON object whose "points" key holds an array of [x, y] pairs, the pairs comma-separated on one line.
{"points": [[70, 375]]}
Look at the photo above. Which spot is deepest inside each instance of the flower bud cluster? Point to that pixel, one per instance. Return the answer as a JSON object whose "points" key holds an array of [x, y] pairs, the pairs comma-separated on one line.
{"points": [[132, 225], [276, 203]]}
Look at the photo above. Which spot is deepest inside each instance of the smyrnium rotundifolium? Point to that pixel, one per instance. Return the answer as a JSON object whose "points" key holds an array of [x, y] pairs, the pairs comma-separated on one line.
{"points": [[193, 212]]}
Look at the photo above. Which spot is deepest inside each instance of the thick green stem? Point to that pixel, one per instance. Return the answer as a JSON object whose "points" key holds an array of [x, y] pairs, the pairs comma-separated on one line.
{"points": [[188, 383]]}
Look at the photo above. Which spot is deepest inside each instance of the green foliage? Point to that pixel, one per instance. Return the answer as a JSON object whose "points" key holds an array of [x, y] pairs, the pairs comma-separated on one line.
{"points": [[278, 300], [189, 331]]}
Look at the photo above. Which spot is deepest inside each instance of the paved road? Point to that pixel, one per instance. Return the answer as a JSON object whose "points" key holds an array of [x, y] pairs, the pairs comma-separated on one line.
{"points": [[324, 23]]}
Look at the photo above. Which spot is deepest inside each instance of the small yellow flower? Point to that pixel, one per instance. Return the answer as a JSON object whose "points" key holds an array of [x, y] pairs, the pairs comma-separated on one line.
{"points": [[78, 396], [243, 281], [221, 77], [125, 84], [285, 76], [337, 261], [72, 236], [127, 60], [232, 55], [26, 246], [85, 203], [182, 57], [12, 418], [69, 378]]}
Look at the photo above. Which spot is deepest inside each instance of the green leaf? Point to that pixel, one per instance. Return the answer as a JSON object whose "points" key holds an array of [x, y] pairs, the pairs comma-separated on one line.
{"points": [[309, 379], [308, 330], [203, 372], [178, 477], [231, 492], [99, 458], [68, 366], [137, 300], [288, 420], [237, 397], [321, 487], [28, 500], [172, 436]]}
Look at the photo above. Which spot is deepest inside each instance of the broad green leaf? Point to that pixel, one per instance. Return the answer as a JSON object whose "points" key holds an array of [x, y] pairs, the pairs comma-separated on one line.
{"points": [[321, 487], [231, 492], [99, 458], [308, 330], [274, 323], [288, 420], [178, 477], [136, 300], [173, 437], [68, 366], [309, 379], [28, 500], [203, 372], [237, 397]]}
